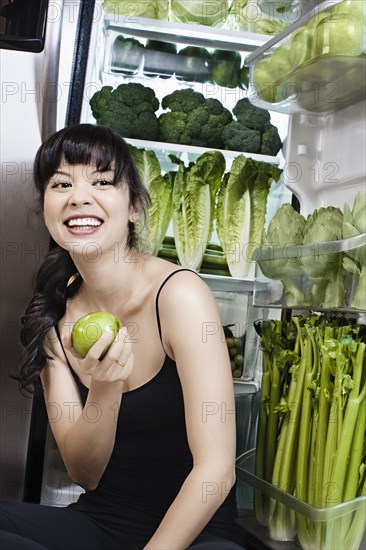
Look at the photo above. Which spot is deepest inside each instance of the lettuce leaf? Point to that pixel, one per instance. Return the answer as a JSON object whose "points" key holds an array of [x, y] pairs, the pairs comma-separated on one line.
{"points": [[241, 211], [154, 9], [161, 190], [213, 13], [194, 196]]}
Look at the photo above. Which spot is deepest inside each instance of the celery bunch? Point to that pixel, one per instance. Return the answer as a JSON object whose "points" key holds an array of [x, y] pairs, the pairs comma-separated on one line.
{"points": [[311, 432]]}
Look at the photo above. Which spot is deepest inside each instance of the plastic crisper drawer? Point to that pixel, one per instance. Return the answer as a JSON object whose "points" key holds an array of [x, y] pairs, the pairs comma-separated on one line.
{"points": [[316, 528], [316, 65], [318, 276]]}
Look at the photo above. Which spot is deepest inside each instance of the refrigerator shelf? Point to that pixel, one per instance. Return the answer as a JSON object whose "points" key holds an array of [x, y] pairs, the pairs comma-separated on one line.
{"points": [[318, 276], [171, 31], [306, 68], [166, 148]]}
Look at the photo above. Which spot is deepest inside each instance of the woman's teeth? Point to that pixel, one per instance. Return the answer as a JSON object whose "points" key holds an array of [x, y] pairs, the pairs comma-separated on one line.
{"points": [[83, 222]]}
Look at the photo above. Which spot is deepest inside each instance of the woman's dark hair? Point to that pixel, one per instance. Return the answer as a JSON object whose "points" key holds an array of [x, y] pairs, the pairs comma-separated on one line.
{"points": [[78, 144]]}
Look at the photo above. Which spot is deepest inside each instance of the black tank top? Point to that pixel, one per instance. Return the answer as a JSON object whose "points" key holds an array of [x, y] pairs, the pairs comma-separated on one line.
{"points": [[149, 463]]}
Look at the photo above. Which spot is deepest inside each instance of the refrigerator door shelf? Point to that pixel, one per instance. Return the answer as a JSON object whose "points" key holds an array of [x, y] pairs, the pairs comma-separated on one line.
{"points": [[307, 68]]}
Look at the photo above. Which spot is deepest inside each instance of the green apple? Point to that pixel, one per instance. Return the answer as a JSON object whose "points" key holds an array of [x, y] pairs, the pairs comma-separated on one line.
{"points": [[89, 328], [340, 35]]}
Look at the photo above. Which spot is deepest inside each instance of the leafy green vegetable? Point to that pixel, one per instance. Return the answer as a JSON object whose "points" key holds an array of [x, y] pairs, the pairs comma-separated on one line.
{"points": [[285, 230], [241, 209], [211, 13], [354, 261], [325, 270], [248, 16], [155, 9], [161, 190], [195, 189]]}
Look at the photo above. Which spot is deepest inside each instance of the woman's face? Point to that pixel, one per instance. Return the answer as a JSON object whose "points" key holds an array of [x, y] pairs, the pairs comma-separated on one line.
{"points": [[83, 206]]}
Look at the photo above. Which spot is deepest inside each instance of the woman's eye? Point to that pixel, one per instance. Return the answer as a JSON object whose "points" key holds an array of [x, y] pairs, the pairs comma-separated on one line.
{"points": [[60, 185]]}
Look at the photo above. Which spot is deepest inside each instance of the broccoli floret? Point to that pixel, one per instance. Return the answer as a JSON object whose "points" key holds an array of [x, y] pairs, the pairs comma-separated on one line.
{"points": [[173, 128], [99, 103], [207, 122], [138, 97], [251, 116], [184, 100], [129, 109], [271, 142], [237, 137]]}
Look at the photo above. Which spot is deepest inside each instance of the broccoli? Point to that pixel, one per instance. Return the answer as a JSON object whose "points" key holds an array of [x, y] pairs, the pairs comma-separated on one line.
{"points": [[193, 120], [226, 68], [271, 141], [251, 116], [129, 109], [207, 122], [183, 100], [172, 128], [127, 55], [238, 137]]}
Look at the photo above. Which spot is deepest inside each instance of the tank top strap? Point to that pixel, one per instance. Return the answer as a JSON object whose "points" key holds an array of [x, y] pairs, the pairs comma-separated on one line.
{"points": [[158, 294]]}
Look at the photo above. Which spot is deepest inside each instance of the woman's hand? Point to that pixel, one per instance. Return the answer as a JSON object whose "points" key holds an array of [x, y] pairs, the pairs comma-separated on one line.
{"points": [[116, 365]]}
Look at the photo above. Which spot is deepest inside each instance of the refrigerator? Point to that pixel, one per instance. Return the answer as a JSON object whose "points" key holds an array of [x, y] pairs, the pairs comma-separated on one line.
{"points": [[49, 73]]}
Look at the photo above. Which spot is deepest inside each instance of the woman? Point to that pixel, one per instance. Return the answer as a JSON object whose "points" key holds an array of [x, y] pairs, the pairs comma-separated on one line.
{"points": [[157, 458]]}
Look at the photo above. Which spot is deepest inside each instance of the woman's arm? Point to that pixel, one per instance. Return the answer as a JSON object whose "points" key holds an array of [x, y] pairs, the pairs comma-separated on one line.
{"points": [[192, 333], [85, 435]]}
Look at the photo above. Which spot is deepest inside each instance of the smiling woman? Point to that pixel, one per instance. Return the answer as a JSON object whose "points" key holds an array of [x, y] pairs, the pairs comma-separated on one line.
{"points": [[157, 472]]}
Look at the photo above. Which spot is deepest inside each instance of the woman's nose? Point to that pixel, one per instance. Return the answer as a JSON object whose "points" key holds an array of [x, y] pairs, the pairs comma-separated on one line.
{"points": [[80, 196]]}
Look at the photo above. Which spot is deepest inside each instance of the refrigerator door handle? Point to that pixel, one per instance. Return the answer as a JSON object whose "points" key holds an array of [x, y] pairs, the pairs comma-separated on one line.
{"points": [[51, 68]]}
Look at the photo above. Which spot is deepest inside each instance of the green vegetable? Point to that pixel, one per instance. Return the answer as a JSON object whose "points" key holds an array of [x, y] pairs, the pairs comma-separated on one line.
{"points": [[129, 109], [271, 142], [325, 270], [160, 189], [354, 261], [251, 116], [127, 55], [211, 13], [193, 120], [194, 193], [89, 328], [193, 64], [241, 209], [249, 16], [226, 67], [237, 137], [311, 430], [155, 9], [160, 58], [285, 229]]}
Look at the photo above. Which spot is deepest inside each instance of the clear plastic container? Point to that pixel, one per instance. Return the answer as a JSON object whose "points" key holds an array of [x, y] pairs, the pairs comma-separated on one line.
{"points": [[319, 276], [342, 526], [317, 65]]}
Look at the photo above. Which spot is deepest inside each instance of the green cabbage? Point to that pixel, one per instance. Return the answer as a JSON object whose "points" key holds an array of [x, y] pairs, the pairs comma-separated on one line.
{"points": [[285, 230], [354, 261], [194, 194], [155, 9], [212, 13], [241, 210], [160, 189]]}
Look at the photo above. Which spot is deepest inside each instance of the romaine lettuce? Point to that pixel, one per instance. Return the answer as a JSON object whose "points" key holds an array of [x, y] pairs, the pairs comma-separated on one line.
{"points": [[194, 195], [155, 9], [160, 189]]}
